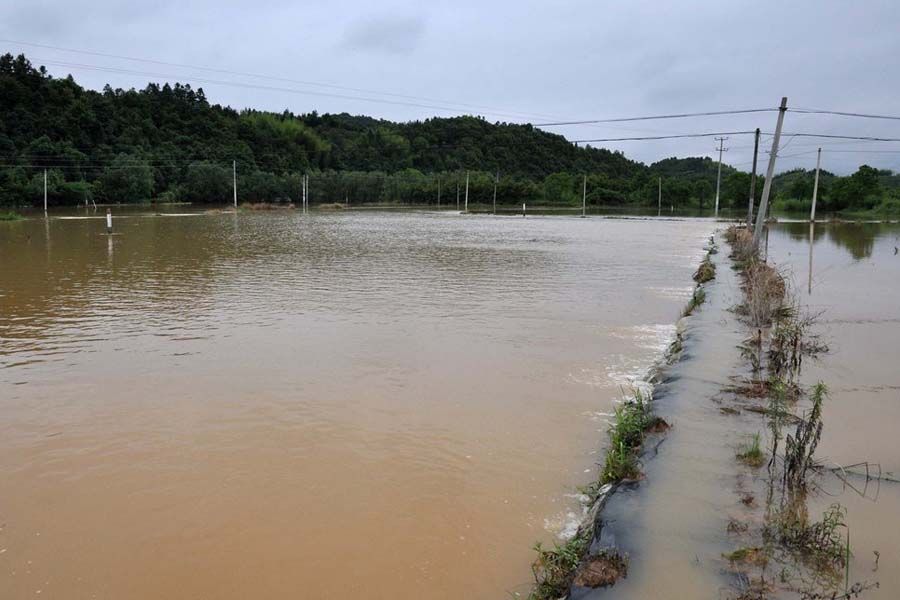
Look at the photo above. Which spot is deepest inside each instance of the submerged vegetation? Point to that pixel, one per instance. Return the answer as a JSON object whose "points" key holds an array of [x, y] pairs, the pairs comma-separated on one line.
{"points": [[752, 454], [811, 555], [8, 215]]}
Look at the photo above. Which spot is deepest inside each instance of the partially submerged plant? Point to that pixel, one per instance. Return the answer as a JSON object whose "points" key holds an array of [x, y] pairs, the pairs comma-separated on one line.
{"points": [[800, 447], [705, 272], [698, 298], [554, 568], [752, 454]]}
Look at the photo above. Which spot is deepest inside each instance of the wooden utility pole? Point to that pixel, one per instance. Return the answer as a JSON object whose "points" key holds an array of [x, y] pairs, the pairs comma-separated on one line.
{"points": [[234, 180], [770, 172], [496, 180], [721, 141], [753, 180], [467, 192], [812, 214]]}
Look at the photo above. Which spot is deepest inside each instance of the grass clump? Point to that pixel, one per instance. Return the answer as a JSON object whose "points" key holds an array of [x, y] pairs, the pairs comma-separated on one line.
{"points": [[750, 555], [554, 569], [630, 423], [752, 454], [741, 241], [10, 215], [697, 298], [705, 272]]}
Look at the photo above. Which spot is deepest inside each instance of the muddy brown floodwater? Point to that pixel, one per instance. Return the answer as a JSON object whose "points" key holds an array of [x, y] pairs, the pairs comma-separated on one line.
{"points": [[380, 405]]}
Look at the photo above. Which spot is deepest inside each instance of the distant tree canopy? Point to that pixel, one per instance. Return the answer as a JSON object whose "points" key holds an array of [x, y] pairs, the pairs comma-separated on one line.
{"points": [[168, 143]]}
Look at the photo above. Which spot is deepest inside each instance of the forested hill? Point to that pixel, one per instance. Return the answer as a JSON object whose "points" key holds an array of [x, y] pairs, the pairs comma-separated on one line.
{"points": [[169, 143]]}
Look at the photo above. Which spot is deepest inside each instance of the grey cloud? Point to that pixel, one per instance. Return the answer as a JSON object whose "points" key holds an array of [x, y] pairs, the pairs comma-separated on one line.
{"points": [[386, 33]]}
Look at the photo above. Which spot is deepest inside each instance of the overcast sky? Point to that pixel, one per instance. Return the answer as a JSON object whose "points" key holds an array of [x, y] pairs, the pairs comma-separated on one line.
{"points": [[511, 61]]}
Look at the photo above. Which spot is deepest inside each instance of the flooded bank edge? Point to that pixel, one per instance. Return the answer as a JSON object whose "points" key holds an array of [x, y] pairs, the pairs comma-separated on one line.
{"points": [[635, 434]]}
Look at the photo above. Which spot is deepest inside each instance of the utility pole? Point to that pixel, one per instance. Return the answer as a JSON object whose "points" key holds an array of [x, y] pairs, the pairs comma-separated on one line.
{"points": [[45, 191], [584, 197], [659, 198], [770, 171], [721, 141], [753, 180], [467, 192], [812, 215], [234, 180], [496, 179]]}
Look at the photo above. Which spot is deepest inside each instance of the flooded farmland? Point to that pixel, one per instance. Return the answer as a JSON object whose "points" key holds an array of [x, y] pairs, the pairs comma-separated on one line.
{"points": [[393, 405], [698, 504], [852, 283]]}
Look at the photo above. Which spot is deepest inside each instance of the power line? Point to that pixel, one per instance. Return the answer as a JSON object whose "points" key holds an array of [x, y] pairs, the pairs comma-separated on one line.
{"points": [[493, 110], [816, 111], [664, 137], [655, 117]]}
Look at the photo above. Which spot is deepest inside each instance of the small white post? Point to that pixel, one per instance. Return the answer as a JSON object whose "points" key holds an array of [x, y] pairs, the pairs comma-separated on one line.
{"points": [[584, 197], [45, 191], [108, 221], [467, 192], [812, 215], [523, 209]]}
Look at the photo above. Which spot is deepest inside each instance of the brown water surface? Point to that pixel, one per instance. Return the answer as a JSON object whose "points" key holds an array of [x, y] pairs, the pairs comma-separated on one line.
{"points": [[385, 405], [854, 282]]}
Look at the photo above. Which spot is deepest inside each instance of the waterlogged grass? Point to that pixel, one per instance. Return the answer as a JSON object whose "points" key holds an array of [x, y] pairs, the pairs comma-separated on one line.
{"points": [[752, 454], [9, 215], [706, 271], [555, 568], [626, 436], [697, 298]]}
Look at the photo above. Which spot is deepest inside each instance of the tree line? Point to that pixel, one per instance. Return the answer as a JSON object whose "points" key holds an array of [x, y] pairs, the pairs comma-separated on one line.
{"points": [[168, 143]]}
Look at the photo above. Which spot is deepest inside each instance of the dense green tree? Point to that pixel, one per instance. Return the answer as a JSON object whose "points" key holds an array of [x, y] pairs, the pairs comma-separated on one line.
{"points": [[127, 179]]}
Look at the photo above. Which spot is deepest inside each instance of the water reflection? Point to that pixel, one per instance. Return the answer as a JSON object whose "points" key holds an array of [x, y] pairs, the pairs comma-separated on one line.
{"points": [[858, 239]]}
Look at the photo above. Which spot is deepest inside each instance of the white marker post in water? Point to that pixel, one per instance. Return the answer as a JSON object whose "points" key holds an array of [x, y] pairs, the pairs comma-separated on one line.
{"points": [[108, 221], [523, 209]]}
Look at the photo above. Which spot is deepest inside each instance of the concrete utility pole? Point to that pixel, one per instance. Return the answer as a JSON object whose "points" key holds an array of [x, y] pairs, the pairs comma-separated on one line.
{"points": [[467, 192], [584, 197], [770, 171], [659, 197], [721, 141], [45, 192], [234, 180], [753, 180], [812, 215], [496, 179]]}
